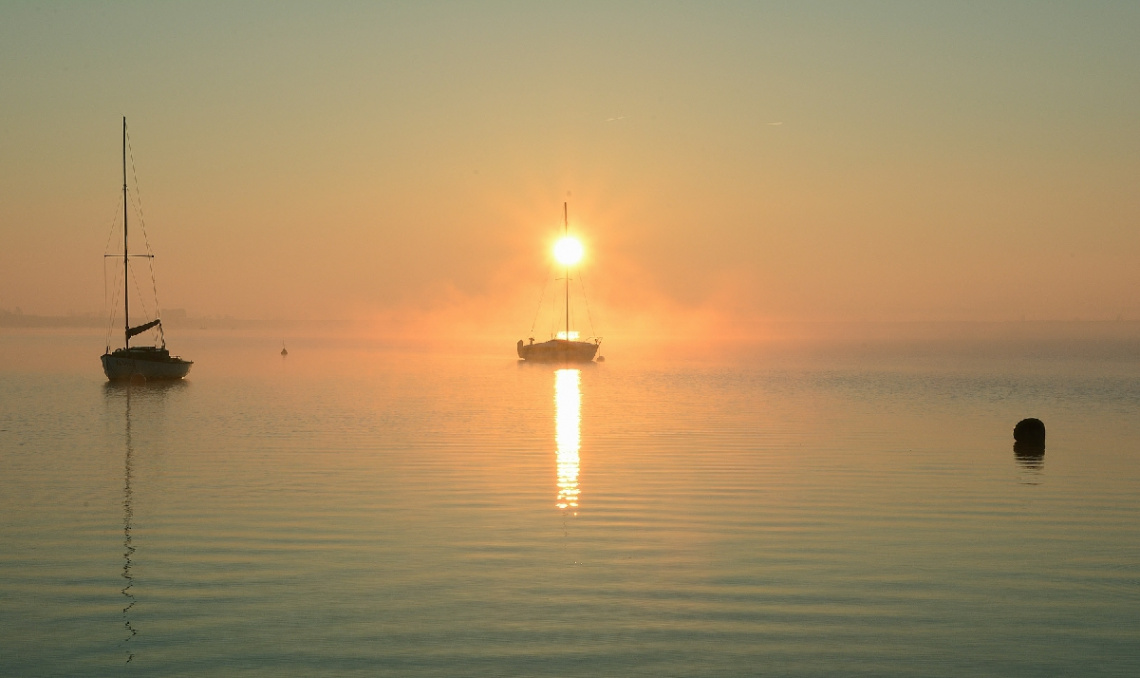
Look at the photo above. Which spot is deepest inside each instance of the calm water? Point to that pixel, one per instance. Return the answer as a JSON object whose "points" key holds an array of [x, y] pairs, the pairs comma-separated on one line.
{"points": [[352, 512]]}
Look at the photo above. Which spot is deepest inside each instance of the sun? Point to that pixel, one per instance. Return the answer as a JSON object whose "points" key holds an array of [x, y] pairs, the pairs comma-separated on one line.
{"points": [[568, 251]]}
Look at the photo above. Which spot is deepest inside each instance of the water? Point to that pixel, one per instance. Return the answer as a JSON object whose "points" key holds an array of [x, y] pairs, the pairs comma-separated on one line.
{"points": [[344, 512]]}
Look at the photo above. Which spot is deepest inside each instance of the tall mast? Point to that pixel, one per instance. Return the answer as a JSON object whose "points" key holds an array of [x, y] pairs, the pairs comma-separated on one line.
{"points": [[126, 287], [565, 233]]}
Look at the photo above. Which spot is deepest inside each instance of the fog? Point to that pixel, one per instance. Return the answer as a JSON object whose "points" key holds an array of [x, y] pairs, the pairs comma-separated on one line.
{"points": [[399, 172]]}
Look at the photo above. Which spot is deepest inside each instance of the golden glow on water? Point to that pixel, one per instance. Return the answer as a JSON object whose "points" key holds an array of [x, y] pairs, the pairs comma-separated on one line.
{"points": [[567, 435], [810, 518]]}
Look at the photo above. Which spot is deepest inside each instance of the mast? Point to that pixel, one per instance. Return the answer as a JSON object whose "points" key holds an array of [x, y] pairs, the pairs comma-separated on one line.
{"points": [[126, 287], [565, 233]]}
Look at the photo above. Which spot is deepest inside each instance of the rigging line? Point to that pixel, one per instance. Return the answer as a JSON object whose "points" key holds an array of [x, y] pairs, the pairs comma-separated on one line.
{"points": [[553, 314], [567, 312], [105, 306], [570, 313], [137, 203], [114, 222], [589, 315], [135, 176], [537, 311], [110, 309], [142, 300], [114, 303], [154, 286], [137, 195]]}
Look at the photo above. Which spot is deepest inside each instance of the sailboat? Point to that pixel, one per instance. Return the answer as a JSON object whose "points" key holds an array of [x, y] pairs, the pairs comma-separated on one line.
{"points": [[564, 347], [135, 362]]}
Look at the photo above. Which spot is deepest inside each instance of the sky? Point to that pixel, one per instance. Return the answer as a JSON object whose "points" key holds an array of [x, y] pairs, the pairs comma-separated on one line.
{"points": [[402, 166]]}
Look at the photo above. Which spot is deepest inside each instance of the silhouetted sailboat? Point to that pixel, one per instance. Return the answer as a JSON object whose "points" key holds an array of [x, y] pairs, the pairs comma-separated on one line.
{"points": [[133, 362], [564, 346]]}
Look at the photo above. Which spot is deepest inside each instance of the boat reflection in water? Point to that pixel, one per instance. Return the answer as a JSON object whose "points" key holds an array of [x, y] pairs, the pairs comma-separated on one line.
{"points": [[567, 435], [146, 393], [128, 519]]}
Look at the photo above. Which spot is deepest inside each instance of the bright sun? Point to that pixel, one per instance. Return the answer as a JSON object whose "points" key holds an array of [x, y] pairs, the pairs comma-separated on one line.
{"points": [[568, 251]]}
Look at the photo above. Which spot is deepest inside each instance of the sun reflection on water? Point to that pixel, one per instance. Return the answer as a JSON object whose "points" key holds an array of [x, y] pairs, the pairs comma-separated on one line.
{"points": [[567, 436]]}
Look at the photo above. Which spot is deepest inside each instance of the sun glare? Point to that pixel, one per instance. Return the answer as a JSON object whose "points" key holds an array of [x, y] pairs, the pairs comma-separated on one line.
{"points": [[568, 251]]}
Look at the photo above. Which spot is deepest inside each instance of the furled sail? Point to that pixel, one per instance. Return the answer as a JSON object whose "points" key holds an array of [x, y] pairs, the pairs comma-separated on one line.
{"points": [[142, 328]]}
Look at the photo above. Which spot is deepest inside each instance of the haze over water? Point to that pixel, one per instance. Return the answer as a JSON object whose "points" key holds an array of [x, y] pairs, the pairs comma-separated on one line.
{"points": [[403, 167]]}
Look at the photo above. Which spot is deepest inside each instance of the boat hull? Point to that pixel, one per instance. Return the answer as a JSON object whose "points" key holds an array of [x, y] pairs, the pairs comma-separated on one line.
{"points": [[119, 367], [558, 351]]}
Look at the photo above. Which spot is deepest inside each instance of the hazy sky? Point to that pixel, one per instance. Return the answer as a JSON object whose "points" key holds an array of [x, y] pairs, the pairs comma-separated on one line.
{"points": [[726, 163]]}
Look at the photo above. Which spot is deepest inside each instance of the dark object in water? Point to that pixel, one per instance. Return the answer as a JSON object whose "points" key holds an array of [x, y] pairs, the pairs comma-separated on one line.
{"points": [[562, 347], [1029, 434], [137, 364], [1029, 444], [558, 351]]}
